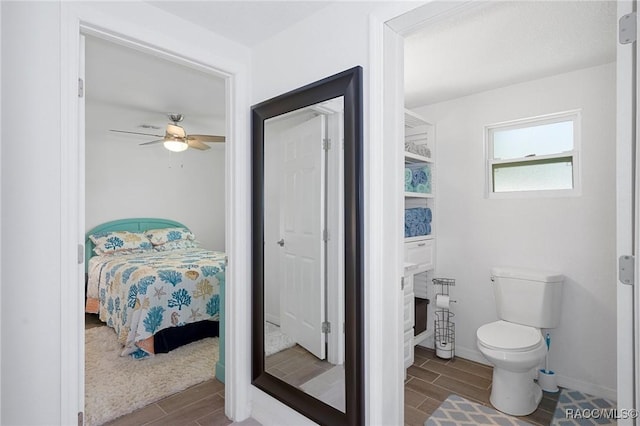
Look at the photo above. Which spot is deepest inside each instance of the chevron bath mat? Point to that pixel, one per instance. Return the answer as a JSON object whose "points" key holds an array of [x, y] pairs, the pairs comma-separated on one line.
{"points": [[458, 411]]}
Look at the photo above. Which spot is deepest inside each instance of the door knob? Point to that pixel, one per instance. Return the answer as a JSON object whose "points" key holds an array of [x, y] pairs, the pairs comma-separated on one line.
{"points": [[281, 242]]}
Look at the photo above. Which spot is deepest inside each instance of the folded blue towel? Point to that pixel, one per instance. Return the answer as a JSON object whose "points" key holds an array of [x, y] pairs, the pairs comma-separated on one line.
{"points": [[408, 175], [417, 230], [409, 188], [419, 176], [423, 188], [417, 221]]}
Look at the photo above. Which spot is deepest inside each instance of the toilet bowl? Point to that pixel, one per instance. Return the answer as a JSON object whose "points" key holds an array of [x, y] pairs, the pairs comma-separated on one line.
{"points": [[526, 301], [515, 351]]}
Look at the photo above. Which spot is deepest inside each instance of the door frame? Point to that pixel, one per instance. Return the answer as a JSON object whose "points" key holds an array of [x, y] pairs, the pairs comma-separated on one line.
{"points": [[384, 170], [627, 221], [84, 18], [391, 39]]}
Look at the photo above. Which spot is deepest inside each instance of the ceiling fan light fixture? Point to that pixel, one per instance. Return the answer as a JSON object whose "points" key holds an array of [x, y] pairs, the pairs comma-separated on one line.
{"points": [[175, 145], [175, 138]]}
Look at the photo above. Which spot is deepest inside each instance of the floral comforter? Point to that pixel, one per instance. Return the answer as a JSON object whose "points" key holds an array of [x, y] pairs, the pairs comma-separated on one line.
{"points": [[141, 294]]}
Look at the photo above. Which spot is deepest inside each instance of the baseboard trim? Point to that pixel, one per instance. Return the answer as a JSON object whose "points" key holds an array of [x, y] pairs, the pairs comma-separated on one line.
{"points": [[588, 388]]}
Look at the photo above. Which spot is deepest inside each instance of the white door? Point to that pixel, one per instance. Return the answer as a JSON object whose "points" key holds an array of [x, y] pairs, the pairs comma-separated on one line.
{"points": [[628, 222], [302, 215]]}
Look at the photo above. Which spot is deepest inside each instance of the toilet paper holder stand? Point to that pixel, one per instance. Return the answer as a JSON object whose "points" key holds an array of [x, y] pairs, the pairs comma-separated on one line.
{"points": [[444, 327]]}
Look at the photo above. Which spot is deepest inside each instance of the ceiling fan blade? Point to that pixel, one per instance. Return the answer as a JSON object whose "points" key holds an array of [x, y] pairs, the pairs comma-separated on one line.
{"points": [[206, 138], [136, 133], [197, 144], [152, 142]]}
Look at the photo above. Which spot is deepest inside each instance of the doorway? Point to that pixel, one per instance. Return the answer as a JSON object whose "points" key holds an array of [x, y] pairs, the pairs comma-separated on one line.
{"points": [[461, 150], [128, 92]]}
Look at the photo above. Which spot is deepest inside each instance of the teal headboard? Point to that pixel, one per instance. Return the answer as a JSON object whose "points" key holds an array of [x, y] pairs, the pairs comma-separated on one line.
{"points": [[132, 225]]}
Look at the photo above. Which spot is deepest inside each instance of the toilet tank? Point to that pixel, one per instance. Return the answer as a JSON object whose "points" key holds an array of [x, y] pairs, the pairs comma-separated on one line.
{"points": [[527, 297]]}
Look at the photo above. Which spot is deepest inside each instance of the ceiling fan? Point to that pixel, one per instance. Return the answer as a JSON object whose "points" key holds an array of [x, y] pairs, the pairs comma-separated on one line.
{"points": [[176, 138]]}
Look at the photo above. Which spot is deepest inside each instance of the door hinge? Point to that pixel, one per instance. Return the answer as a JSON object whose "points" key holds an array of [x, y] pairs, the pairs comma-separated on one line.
{"points": [[80, 254], [326, 144], [326, 327], [626, 269], [402, 283], [80, 418], [325, 235], [80, 88], [627, 28], [226, 261]]}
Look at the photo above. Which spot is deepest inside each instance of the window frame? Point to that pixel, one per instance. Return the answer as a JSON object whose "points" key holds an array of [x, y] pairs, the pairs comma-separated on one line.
{"points": [[573, 115]]}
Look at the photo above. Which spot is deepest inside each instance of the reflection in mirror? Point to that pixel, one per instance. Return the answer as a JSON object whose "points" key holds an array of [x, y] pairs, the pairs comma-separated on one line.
{"points": [[304, 250]]}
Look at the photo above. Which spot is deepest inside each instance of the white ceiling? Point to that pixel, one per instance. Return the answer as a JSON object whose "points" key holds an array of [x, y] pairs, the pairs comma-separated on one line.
{"points": [[127, 88], [246, 22], [134, 88], [495, 44], [487, 45]]}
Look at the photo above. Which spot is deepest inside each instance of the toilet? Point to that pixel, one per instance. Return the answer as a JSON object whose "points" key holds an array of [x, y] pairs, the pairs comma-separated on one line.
{"points": [[526, 301]]}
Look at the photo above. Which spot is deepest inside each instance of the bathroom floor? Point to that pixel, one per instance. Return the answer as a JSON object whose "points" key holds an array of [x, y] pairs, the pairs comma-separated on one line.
{"points": [[430, 380]]}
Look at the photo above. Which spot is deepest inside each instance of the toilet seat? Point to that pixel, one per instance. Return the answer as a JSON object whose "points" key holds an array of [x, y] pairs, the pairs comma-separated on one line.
{"points": [[507, 336]]}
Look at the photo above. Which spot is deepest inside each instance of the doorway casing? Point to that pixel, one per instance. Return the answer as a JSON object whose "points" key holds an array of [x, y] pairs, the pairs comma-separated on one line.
{"points": [[77, 19]]}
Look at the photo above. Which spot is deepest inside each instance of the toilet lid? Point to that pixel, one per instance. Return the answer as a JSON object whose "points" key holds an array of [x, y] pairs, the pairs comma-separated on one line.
{"points": [[506, 336]]}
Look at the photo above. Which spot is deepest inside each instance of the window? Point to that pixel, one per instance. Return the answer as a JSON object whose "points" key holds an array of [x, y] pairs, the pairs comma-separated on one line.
{"points": [[534, 156]]}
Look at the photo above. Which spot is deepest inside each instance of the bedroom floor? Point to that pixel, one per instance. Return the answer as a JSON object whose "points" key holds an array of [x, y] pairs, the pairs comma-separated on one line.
{"points": [[200, 405]]}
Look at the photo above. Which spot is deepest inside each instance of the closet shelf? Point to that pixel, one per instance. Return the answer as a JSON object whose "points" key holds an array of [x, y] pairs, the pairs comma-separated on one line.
{"points": [[410, 157], [419, 238], [417, 195]]}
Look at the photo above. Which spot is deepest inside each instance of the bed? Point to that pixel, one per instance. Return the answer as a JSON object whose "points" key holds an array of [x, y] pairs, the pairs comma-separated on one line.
{"points": [[149, 280]]}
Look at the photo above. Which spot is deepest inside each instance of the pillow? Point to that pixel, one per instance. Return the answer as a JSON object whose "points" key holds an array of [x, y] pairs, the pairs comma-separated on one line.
{"points": [[166, 235], [176, 245], [119, 241]]}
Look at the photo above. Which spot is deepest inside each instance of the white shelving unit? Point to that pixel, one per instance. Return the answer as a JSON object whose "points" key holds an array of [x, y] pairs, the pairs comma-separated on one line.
{"points": [[420, 250]]}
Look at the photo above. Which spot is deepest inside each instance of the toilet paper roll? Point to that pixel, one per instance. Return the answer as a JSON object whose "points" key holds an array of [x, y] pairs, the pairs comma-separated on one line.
{"points": [[442, 301]]}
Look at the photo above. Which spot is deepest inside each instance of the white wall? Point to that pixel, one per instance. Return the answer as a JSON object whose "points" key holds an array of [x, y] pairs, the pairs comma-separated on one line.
{"points": [[126, 180], [31, 208], [572, 235], [35, 386]]}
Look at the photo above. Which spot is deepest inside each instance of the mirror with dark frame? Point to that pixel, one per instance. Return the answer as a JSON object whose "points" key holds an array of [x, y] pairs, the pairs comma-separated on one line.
{"points": [[307, 267]]}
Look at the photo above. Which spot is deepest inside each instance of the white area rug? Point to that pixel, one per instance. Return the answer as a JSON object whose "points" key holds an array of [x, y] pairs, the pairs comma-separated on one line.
{"points": [[274, 340], [116, 385]]}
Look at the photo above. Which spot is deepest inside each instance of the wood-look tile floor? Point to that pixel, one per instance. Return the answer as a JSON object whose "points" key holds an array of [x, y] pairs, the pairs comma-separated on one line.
{"points": [[295, 365], [430, 380], [199, 405]]}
